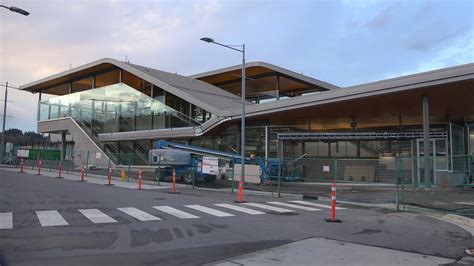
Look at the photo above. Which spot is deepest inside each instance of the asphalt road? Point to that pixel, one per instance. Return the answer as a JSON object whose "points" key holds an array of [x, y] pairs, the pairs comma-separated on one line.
{"points": [[124, 240]]}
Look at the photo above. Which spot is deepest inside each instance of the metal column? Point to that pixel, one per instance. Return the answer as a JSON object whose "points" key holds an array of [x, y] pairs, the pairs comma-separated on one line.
{"points": [[242, 148], [63, 145], [4, 120], [278, 88], [266, 144], [426, 140]]}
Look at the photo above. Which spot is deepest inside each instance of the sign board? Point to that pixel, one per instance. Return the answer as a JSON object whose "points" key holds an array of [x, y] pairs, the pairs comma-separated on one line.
{"points": [[98, 155], [210, 165], [9, 147], [325, 168], [252, 173], [23, 153]]}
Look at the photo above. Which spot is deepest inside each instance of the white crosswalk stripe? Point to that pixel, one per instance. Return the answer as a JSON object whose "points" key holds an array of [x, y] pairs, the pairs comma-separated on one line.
{"points": [[294, 206], [267, 207], [175, 212], [6, 220], [240, 209], [50, 218], [54, 218], [139, 214], [209, 211], [316, 204], [96, 216]]}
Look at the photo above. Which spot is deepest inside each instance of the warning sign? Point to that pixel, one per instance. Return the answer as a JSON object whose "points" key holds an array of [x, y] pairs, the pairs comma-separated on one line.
{"points": [[210, 165]]}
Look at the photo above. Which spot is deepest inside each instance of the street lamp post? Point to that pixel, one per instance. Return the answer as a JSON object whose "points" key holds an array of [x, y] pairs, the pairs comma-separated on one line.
{"points": [[16, 10], [4, 119], [242, 144]]}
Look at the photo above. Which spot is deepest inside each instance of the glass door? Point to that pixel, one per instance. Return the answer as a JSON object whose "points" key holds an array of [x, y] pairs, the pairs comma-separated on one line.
{"points": [[438, 160]]}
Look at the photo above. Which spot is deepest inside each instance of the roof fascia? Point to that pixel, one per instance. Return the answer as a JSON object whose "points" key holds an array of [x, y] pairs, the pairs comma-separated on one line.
{"points": [[301, 77]]}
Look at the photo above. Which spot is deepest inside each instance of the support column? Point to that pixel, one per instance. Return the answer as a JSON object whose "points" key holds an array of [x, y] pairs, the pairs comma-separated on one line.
{"points": [[266, 144], [426, 140], [63, 145], [278, 88], [39, 107]]}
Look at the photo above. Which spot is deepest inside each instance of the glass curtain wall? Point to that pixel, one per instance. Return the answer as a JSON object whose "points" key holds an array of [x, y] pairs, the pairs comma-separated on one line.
{"points": [[114, 108]]}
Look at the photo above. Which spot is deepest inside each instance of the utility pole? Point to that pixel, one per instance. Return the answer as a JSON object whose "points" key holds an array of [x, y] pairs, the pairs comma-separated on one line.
{"points": [[2, 151]]}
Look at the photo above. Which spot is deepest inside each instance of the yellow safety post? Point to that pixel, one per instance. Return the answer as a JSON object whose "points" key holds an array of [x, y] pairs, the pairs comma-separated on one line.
{"points": [[123, 175]]}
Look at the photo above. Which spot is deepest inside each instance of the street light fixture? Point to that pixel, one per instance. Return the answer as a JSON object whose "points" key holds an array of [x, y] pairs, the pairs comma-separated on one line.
{"points": [[242, 144], [17, 10]]}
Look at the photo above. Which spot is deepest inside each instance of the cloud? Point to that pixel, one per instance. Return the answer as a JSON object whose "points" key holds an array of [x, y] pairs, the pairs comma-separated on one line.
{"points": [[380, 20], [343, 42]]}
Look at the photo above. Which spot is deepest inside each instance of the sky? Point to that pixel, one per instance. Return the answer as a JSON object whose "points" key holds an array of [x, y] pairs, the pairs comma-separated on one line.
{"points": [[344, 42]]}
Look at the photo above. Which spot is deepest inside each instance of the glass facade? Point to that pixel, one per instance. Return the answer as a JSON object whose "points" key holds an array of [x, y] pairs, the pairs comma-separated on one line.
{"points": [[114, 108]]}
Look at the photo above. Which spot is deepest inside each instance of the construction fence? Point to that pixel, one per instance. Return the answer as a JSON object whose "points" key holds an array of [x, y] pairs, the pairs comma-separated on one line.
{"points": [[401, 181]]}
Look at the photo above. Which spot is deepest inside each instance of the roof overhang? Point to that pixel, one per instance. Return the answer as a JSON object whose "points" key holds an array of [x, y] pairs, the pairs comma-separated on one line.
{"points": [[106, 64], [257, 70]]}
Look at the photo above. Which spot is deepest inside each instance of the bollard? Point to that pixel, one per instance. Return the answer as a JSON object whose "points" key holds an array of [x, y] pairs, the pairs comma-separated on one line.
{"points": [[140, 178], [22, 164], [333, 205], [60, 169], [173, 188], [109, 177], [241, 190], [39, 167], [83, 171]]}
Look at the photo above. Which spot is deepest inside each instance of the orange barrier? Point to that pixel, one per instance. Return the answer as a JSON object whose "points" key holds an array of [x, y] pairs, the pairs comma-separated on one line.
{"points": [[110, 175], [333, 205], [140, 178], [39, 167], [60, 169], [173, 188], [241, 191], [83, 171], [22, 164]]}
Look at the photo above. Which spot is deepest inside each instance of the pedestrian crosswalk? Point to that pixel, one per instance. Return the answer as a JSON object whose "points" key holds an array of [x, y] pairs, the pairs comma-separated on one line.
{"points": [[294, 206], [6, 220], [210, 211], [50, 218], [47, 218], [139, 214], [267, 207], [97, 216], [175, 212]]}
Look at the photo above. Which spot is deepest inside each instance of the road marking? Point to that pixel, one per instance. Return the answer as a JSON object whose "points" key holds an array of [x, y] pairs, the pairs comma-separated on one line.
{"points": [[209, 211], [175, 212], [50, 218], [96, 216], [294, 206], [240, 209], [263, 206], [139, 214], [316, 204], [6, 220]]}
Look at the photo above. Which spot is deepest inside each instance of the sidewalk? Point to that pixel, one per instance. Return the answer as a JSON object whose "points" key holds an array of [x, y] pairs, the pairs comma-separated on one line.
{"points": [[95, 179], [322, 251], [146, 184]]}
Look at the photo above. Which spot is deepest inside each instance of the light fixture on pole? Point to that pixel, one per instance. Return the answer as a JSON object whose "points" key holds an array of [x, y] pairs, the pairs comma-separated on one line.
{"points": [[242, 144], [16, 10]]}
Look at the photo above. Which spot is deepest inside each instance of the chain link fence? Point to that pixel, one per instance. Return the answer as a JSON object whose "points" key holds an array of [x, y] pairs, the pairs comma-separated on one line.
{"points": [[399, 181], [438, 183]]}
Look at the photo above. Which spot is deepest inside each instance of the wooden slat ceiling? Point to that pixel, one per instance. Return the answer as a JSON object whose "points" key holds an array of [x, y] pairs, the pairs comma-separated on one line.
{"points": [[452, 102]]}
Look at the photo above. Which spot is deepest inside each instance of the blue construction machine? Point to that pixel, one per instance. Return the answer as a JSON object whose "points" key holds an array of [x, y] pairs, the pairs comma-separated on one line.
{"points": [[187, 161]]}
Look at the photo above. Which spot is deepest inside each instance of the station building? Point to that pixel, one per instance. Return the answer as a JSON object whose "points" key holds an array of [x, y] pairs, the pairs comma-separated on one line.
{"points": [[114, 108]]}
